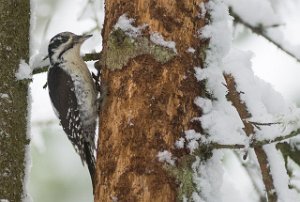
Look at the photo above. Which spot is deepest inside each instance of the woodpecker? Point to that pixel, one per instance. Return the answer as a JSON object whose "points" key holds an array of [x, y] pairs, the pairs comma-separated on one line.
{"points": [[73, 94]]}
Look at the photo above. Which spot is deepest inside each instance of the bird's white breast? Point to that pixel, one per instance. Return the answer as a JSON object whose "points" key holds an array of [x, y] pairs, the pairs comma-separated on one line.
{"points": [[84, 85]]}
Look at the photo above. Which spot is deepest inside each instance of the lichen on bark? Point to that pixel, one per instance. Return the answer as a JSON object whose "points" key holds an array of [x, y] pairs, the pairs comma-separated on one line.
{"points": [[122, 47]]}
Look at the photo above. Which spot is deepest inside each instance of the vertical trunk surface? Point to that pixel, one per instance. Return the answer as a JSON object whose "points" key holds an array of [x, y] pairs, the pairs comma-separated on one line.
{"points": [[14, 45], [149, 104]]}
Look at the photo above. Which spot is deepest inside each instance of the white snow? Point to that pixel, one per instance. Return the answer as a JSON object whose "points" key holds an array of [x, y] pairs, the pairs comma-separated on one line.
{"points": [[204, 103], [158, 39], [39, 56], [267, 17], [192, 135], [179, 144], [219, 42], [202, 10], [191, 50], [280, 176], [277, 35], [166, 156], [24, 71], [268, 106], [124, 23], [37, 51], [242, 178], [25, 196], [220, 119], [4, 96], [263, 103], [33, 19], [256, 12], [208, 178], [192, 139]]}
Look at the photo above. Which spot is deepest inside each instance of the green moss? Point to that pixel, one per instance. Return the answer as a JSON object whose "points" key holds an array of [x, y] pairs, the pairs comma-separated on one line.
{"points": [[122, 48], [203, 52], [183, 174]]}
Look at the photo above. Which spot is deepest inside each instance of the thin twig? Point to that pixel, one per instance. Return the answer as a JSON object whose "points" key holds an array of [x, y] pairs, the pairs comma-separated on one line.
{"points": [[255, 143], [252, 169], [264, 124], [40, 70], [261, 31], [257, 124]]}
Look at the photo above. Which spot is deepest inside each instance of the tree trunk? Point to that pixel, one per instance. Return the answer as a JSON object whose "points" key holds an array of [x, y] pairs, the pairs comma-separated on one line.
{"points": [[150, 103], [14, 45]]}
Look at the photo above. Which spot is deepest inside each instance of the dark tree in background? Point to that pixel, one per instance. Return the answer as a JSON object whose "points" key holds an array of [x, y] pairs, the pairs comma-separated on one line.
{"points": [[14, 45]]}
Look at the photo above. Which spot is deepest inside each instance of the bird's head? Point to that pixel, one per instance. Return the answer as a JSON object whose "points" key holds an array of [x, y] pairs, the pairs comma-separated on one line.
{"points": [[63, 43]]}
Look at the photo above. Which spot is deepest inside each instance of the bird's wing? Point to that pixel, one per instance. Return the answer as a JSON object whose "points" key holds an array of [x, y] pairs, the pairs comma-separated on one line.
{"points": [[62, 95]]}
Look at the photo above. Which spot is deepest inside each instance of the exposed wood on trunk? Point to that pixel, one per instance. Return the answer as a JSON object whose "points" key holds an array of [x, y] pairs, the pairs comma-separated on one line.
{"points": [[149, 105], [234, 96]]}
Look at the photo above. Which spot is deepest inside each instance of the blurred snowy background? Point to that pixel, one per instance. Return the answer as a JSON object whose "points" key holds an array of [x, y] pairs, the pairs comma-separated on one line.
{"points": [[57, 173]]}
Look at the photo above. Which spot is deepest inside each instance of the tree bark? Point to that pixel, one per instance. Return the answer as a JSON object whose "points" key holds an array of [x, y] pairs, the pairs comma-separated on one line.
{"points": [[14, 45], [149, 104]]}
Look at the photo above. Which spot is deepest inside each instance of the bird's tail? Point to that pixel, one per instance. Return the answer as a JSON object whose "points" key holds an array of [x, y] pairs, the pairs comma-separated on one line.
{"points": [[90, 161]]}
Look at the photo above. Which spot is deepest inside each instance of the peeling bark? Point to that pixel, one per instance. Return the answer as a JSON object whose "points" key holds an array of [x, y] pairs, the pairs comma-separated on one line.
{"points": [[14, 45], [149, 104]]}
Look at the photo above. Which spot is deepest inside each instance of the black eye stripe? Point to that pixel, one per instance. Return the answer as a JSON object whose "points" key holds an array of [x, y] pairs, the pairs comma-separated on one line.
{"points": [[57, 41], [59, 44]]}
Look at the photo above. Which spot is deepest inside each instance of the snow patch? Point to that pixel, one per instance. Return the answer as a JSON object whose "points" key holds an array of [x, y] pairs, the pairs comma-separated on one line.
{"points": [[220, 119], [208, 178], [158, 39], [124, 23], [193, 139], [280, 176], [267, 18], [204, 104], [191, 50], [277, 35], [24, 71], [4, 96], [179, 144], [255, 12], [28, 163], [166, 156]]}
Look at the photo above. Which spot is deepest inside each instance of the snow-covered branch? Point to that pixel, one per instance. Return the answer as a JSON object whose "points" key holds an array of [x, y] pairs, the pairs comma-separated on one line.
{"points": [[234, 96], [254, 143], [261, 30], [86, 57]]}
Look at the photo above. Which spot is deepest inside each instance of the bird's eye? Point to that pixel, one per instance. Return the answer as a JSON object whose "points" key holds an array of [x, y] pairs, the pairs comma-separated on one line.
{"points": [[58, 40]]}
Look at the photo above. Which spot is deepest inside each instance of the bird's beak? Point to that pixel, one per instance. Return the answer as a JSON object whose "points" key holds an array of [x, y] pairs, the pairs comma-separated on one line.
{"points": [[82, 38]]}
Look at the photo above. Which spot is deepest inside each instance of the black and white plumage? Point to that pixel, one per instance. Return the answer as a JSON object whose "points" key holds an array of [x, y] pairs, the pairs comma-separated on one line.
{"points": [[73, 94]]}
